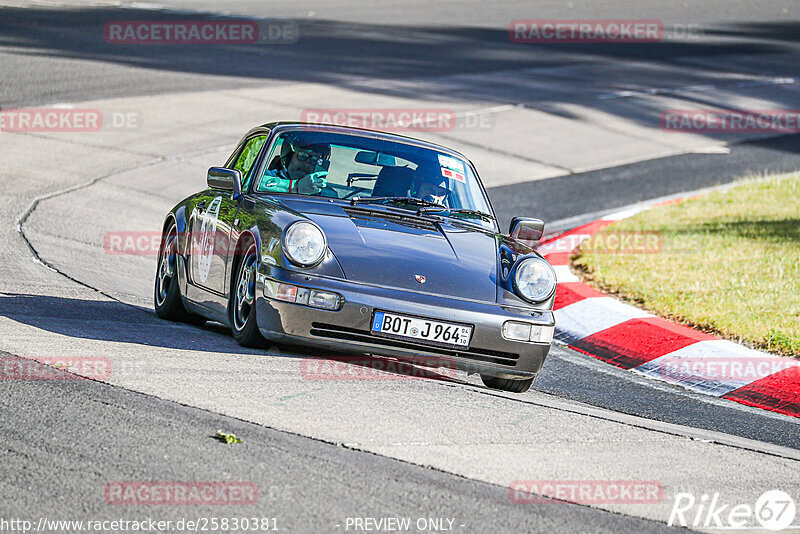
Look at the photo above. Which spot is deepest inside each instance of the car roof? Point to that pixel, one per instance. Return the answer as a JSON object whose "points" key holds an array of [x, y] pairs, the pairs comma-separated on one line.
{"points": [[349, 130]]}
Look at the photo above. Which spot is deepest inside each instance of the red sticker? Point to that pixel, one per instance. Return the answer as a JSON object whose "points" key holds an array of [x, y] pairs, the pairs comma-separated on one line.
{"points": [[455, 175]]}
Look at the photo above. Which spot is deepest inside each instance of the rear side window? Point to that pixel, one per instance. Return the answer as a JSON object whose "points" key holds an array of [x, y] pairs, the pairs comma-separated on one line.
{"points": [[247, 157]]}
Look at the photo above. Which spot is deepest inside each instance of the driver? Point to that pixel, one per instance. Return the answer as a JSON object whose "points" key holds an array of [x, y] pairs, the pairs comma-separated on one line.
{"points": [[303, 169], [432, 188]]}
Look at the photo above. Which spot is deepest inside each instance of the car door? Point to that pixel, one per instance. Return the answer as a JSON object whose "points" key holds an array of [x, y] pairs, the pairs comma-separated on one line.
{"points": [[212, 220], [211, 227]]}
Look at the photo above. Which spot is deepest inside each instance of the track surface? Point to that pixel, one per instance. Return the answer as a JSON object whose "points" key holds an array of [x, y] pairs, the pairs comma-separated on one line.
{"points": [[584, 420]]}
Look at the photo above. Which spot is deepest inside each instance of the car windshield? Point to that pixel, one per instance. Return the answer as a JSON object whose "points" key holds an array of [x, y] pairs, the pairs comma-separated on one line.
{"points": [[372, 171]]}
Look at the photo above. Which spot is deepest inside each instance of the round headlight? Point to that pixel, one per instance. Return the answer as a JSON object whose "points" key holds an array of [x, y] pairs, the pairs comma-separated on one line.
{"points": [[534, 279], [304, 243]]}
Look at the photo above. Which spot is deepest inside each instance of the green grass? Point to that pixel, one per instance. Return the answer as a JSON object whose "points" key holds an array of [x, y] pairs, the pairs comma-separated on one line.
{"points": [[726, 262]]}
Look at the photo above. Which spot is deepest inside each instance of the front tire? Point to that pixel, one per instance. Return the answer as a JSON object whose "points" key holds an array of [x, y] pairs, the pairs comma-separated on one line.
{"points": [[244, 324], [513, 385], [166, 293]]}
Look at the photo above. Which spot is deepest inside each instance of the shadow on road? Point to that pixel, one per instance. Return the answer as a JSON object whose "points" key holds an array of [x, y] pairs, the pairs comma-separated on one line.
{"points": [[113, 321], [440, 61], [123, 323]]}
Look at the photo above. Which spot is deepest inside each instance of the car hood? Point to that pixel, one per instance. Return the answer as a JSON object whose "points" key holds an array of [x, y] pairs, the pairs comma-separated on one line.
{"points": [[371, 247]]}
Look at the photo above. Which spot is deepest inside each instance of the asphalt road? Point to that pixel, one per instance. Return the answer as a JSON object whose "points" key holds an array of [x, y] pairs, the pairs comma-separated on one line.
{"points": [[99, 433], [323, 452], [57, 52]]}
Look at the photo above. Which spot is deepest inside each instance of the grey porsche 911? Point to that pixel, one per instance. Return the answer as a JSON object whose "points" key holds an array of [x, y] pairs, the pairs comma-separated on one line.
{"points": [[359, 242]]}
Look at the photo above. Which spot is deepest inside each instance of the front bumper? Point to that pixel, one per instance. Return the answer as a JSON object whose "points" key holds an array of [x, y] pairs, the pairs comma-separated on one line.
{"points": [[348, 329]]}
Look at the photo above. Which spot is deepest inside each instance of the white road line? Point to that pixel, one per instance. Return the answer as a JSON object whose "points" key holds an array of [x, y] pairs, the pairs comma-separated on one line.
{"points": [[697, 88], [624, 214], [563, 274]]}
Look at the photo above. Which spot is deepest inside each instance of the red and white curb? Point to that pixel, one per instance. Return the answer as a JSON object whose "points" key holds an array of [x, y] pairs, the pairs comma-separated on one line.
{"points": [[623, 335]]}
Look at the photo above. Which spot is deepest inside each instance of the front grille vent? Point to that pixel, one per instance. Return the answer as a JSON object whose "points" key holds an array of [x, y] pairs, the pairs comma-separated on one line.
{"points": [[400, 218]]}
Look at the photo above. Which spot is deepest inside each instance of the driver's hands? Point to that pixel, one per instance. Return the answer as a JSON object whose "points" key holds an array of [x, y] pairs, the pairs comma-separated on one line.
{"points": [[312, 184]]}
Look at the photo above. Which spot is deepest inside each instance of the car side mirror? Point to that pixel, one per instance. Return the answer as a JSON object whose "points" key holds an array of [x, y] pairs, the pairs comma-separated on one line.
{"points": [[225, 179], [526, 229]]}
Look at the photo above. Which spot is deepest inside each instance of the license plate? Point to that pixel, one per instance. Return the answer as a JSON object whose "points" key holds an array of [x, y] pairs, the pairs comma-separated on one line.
{"points": [[391, 324]]}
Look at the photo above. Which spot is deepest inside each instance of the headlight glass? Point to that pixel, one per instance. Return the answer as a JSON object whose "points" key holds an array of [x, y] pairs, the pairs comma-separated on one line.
{"points": [[535, 280], [304, 243]]}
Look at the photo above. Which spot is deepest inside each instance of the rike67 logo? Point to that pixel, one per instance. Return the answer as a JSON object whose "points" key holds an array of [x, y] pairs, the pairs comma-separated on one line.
{"points": [[774, 510]]}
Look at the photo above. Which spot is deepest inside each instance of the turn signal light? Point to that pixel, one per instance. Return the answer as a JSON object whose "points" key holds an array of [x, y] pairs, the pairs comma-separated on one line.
{"points": [[519, 331], [302, 295]]}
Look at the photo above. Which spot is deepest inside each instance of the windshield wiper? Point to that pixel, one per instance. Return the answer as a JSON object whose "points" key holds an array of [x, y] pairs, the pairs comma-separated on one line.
{"points": [[424, 206], [464, 211], [406, 200]]}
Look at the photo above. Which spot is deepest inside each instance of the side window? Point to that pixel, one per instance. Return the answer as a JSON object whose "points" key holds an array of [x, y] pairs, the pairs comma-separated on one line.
{"points": [[273, 164], [247, 157]]}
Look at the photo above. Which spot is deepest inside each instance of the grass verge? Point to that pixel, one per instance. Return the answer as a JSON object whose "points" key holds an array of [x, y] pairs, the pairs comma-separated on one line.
{"points": [[725, 262]]}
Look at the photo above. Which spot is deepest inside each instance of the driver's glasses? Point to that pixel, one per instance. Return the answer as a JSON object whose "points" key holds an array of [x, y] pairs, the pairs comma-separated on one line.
{"points": [[304, 155]]}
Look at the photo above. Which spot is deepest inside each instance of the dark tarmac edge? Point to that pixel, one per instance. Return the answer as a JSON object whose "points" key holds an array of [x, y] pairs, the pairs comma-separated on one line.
{"points": [[606, 190]]}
